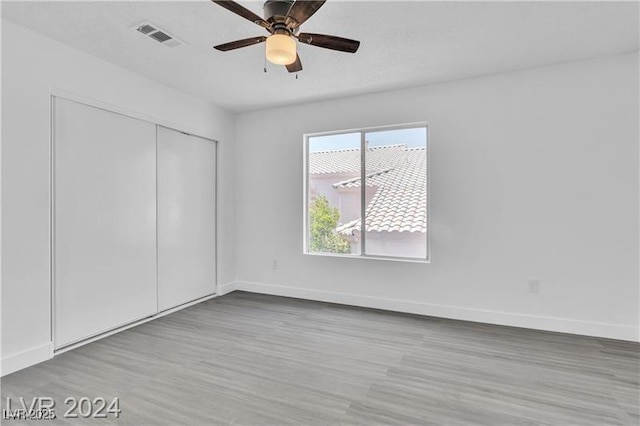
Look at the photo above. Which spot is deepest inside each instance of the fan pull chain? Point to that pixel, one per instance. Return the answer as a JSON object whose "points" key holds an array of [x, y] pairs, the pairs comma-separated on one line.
{"points": [[265, 64]]}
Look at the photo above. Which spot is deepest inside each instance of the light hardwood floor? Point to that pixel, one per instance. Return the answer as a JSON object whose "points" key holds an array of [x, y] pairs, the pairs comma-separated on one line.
{"points": [[263, 360]]}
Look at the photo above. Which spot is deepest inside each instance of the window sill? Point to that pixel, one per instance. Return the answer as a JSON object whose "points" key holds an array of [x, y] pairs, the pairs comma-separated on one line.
{"points": [[357, 256]]}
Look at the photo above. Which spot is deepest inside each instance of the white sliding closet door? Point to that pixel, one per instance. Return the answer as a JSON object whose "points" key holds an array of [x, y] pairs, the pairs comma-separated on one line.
{"points": [[186, 218], [104, 221]]}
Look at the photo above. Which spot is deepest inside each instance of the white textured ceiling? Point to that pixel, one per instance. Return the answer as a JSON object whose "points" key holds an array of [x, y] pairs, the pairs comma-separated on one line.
{"points": [[403, 43]]}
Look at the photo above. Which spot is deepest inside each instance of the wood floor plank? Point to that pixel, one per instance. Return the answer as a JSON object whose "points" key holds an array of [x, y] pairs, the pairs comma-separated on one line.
{"points": [[250, 359]]}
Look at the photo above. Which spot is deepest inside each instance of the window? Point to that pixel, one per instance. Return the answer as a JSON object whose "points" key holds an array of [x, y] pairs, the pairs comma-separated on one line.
{"points": [[392, 163]]}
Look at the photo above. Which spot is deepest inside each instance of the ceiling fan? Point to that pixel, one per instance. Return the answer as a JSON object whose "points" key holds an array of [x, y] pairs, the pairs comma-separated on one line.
{"points": [[282, 19]]}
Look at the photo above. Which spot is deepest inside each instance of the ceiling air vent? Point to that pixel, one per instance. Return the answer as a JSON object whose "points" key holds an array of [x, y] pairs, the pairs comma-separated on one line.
{"points": [[146, 29], [161, 36]]}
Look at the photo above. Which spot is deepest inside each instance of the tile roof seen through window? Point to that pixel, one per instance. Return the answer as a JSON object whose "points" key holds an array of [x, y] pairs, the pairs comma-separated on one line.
{"points": [[399, 175], [348, 160]]}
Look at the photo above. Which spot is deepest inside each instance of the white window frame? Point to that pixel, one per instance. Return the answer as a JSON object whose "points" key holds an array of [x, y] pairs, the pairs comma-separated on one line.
{"points": [[363, 131]]}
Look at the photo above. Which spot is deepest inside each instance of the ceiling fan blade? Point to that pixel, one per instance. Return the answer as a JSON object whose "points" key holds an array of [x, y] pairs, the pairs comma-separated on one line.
{"points": [[239, 10], [302, 10], [240, 43], [296, 66], [329, 42]]}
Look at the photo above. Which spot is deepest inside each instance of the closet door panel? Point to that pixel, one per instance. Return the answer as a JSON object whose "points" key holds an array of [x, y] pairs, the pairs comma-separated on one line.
{"points": [[104, 221], [186, 218]]}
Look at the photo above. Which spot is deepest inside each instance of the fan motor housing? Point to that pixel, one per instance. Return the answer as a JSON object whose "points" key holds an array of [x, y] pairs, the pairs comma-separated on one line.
{"points": [[276, 8]]}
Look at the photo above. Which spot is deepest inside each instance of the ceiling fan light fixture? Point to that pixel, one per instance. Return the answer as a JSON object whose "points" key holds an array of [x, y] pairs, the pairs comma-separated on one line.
{"points": [[282, 19], [281, 49]]}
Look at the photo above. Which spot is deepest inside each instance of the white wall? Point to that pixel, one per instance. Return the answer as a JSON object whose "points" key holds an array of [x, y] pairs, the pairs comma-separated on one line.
{"points": [[31, 66], [534, 174]]}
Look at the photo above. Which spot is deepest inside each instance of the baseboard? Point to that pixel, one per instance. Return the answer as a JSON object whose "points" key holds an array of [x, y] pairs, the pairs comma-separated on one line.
{"points": [[226, 288], [562, 325], [25, 359]]}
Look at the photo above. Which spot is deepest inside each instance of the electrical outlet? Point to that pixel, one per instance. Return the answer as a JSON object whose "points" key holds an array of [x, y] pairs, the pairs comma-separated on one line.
{"points": [[534, 286], [275, 265]]}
